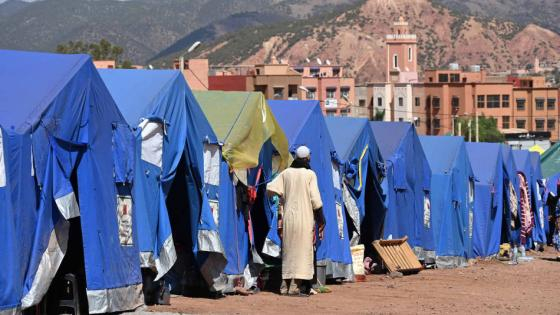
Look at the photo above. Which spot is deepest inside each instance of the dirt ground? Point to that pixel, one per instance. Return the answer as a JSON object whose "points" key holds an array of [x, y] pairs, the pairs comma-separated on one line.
{"points": [[486, 287]]}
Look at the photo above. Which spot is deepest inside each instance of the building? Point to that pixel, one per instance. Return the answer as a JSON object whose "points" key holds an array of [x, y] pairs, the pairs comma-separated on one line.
{"points": [[105, 64], [519, 102], [195, 72], [392, 100], [328, 84], [281, 81], [402, 65], [523, 103]]}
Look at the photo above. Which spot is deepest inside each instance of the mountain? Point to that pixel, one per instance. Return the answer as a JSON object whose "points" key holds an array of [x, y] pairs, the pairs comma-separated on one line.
{"points": [[354, 38], [524, 12], [281, 13], [11, 7], [145, 28], [142, 27]]}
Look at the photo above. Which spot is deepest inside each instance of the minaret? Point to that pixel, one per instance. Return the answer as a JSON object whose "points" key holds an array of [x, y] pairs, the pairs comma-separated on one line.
{"points": [[401, 54]]}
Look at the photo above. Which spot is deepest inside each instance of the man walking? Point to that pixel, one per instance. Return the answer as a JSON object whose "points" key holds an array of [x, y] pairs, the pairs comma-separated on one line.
{"points": [[300, 208]]}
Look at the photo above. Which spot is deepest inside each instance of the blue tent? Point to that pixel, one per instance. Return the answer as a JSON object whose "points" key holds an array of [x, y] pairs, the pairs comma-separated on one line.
{"points": [[407, 186], [363, 167], [538, 195], [63, 160], [511, 196], [452, 198], [488, 167], [171, 134], [304, 124]]}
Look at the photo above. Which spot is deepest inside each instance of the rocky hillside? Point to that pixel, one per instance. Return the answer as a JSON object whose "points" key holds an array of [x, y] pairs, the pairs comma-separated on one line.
{"points": [[355, 38]]}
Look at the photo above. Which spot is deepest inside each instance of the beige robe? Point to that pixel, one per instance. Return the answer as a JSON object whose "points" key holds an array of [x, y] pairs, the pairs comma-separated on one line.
{"points": [[298, 187]]}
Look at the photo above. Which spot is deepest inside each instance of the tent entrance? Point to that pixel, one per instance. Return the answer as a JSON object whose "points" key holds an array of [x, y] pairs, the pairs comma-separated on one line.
{"points": [[184, 278], [374, 217], [69, 282]]}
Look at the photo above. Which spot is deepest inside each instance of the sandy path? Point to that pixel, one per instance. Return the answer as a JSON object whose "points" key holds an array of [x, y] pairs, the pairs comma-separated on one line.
{"points": [[487, 287]]}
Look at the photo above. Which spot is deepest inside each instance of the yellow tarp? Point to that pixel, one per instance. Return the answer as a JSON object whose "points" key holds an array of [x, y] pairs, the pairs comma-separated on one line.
{"points": [[537, 148], [243, 122]]}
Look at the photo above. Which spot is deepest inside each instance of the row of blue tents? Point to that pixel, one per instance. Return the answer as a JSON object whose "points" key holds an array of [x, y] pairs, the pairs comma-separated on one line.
{"points": [[120, 176]]}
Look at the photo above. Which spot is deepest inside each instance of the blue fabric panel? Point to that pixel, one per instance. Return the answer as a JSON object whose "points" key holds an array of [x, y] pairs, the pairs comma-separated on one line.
{"points": [[408, 178], [233, 231], [17, 213], [50, 73], [449, 194], [107, 263], [487, 163]]}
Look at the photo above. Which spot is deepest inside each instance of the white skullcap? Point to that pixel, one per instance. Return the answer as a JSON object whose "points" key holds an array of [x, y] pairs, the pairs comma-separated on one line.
{"points": [[303, 152]]}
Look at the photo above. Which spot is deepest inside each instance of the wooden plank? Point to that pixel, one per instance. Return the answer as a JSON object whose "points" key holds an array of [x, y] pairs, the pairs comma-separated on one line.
{"points": [[397, 255]]}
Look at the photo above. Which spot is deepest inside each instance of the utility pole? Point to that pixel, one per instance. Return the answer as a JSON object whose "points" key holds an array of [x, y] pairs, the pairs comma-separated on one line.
{"points": [[182, 63], [452, 125], [470, 130], [476, 125]]}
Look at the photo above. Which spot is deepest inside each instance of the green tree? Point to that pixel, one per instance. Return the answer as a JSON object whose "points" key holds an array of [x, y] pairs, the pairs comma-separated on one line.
{"points": [[487, 129], [103, 50], [127, 64], [379, 115]]}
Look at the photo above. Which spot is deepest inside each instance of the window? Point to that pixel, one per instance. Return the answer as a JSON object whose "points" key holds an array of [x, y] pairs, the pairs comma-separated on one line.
{"points": [[416, 101], [493, 101], [455, 102], [299, 69], [395, 61], [551, 124], [417, 122], [409, 53], [505, 122], [310, 94], [539, 103], [520, 123], [443, 77], [435, 102], [331, 92], [380, 101], [401, 101], [314, 72], [520, 104], [336, 72], [539, 124], [505, 101], [401, 119], [278, 93], [362, 103], [551, 103], [345, 92], [480, 101], [454, 77], [436, 123]]}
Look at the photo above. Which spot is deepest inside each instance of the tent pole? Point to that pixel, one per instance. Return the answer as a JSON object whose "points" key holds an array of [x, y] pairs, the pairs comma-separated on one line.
{"points": [[476, 125]]}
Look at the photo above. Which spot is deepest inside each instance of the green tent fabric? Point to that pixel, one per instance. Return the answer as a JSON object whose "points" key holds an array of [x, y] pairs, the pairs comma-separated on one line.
{"points": [[550, 161], [243, 122]]}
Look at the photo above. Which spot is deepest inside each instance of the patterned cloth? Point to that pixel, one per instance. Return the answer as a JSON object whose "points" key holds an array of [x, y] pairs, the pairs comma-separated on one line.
{"points": [[525, 203]]}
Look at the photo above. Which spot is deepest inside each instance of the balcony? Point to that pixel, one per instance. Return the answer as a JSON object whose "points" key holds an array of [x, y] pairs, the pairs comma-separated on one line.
{"points": [[400, 36]]}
